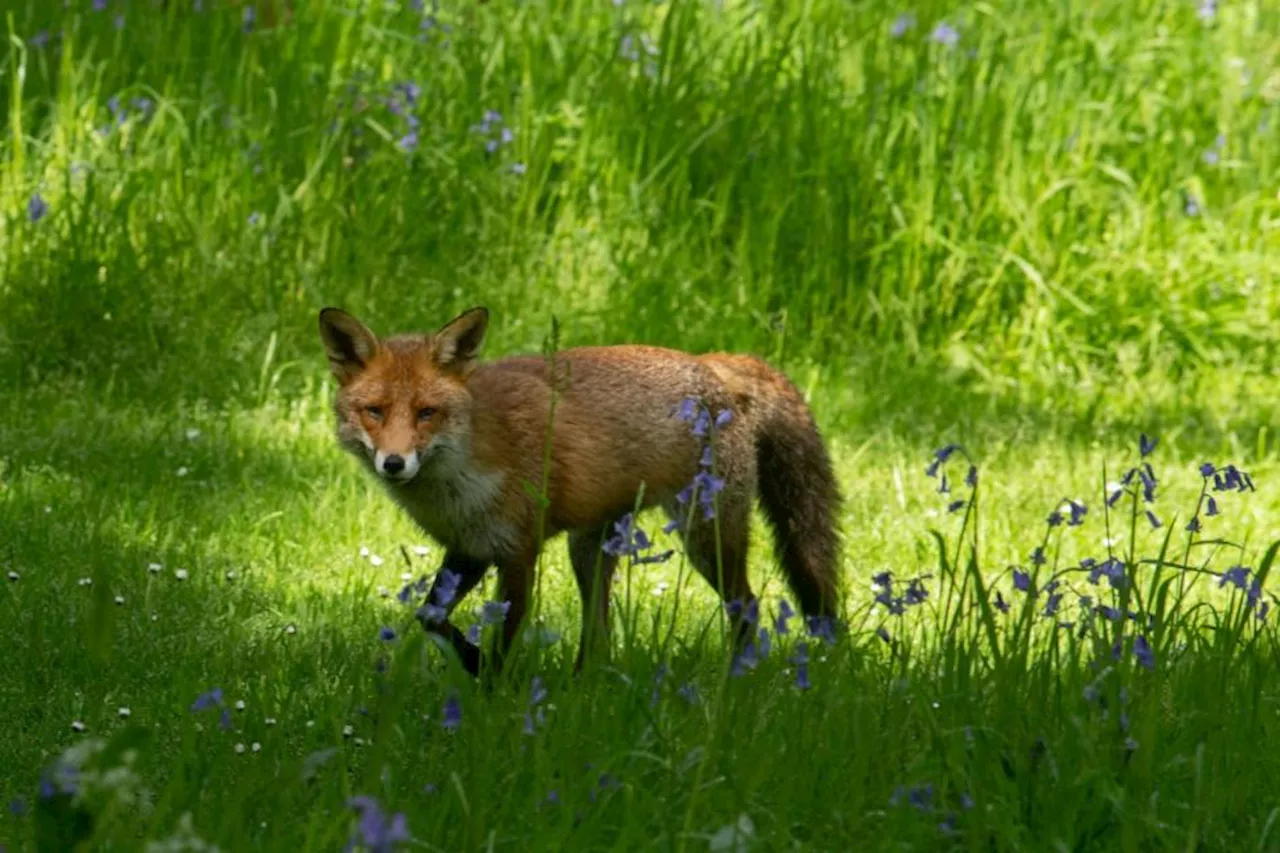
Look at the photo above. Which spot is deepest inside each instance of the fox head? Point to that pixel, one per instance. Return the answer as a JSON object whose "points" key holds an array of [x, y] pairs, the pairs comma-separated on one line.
{"points": [[402, 402]]}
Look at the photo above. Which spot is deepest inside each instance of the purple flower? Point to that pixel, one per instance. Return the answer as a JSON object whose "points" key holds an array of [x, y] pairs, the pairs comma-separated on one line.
{"points": [[537, 692], [255, 219], [802, 677], [99, 5], [883, 633], [1236, 575], [451, 714], [432, 613], [1207, 469], [446, 586], [901, 24], [17, 807], [518, 168], [386, 634], [723, 419], [39, 40], [942, 454], [1207, 10], [916, 593], [1151, 517], [248, 18], [943, 486], [1052, 603], [1001, 604], [473, 634], [118, 22], [1193, 526], [1021, 581], [1146, 445], [919, 796], [686, 410], [688, 692], [765, 644], [956, 506], [1037, 556], [1212, 508], [1078, 512], [945, 35], [494, 612], [784, 614], [1109, 612], [36, 208], [376, 832], [745, 661], [971, 479], [1143, 652], [408, 142], [822, 627], [213, 699], [1254, 593]]}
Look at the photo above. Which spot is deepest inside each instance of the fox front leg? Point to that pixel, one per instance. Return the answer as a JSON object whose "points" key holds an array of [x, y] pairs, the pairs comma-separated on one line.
{"points": [[458, 575]]}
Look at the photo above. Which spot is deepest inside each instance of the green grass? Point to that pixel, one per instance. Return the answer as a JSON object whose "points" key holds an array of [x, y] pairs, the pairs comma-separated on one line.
{"points": [[988, 243]]}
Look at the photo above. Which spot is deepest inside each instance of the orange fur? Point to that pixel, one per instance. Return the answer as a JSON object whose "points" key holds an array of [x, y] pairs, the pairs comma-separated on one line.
{"points": [[482, 440]]}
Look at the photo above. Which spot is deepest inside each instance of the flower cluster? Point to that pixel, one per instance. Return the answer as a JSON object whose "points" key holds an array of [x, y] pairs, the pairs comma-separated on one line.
{"points": [[706, 485], [937, 469], [401, 102], [913, 594], [377, 831], [630, 541], [536, 715]]}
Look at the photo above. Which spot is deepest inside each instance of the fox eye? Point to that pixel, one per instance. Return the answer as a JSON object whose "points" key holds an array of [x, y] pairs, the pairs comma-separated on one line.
{"points": [[425, 413], [374, 412]]}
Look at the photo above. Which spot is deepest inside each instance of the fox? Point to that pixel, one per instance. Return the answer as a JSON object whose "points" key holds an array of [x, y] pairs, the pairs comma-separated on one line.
{"points": [[493, 459]]}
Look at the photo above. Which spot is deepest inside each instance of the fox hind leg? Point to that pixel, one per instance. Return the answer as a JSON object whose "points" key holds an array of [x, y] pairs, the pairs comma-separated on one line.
{"points": [[724, 568], [593, 569]]}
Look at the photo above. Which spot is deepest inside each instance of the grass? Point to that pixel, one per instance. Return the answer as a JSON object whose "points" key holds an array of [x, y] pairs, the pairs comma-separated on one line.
{"points": [[1030, 242]]}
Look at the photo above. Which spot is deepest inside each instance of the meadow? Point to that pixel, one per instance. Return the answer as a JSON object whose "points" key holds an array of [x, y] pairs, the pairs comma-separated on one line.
{"points": [[1018, 256]]}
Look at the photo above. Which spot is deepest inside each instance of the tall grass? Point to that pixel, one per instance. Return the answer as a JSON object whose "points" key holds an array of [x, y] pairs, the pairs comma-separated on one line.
{"points": [[1047, 195]]}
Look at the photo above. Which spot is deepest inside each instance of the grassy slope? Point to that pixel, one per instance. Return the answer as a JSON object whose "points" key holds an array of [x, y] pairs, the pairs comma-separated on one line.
{"points": [[987, 243]]}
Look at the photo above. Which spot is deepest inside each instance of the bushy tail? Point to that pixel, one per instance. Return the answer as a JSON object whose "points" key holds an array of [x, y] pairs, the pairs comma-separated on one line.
{"points": [[800, 499]]}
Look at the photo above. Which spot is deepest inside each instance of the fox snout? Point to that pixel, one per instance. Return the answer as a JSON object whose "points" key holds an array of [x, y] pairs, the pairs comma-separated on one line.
{"points": [[397, 466]]}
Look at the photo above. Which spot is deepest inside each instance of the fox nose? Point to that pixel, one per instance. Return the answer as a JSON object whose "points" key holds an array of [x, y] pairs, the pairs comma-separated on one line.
{"points": [[393, 464]]}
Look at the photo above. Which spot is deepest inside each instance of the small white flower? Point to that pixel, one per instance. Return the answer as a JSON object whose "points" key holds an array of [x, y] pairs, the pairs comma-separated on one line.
{"points": [[125, 713], [155, 568], [182, 472], [13, 576], [85, 581], [181, 574], [421, 550], [364, 551], [291, 629], [192, 433], [257, 747], [406, 576], [239, 704], [155, 618], [359, 741], [239, 749], [383, 592], [48, 509], [77, 726], [311, 724], [348, 731], [231, 575], [119, 600], [375, 560], [271, 721], [661, 588]]}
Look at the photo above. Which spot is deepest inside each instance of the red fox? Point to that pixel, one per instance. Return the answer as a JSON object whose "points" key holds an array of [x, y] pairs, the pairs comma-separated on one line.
{"points": [[461, 446]]}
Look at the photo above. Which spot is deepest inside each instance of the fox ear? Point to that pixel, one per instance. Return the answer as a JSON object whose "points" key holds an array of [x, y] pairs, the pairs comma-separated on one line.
{"points": [[349, 343], [458, 342]]}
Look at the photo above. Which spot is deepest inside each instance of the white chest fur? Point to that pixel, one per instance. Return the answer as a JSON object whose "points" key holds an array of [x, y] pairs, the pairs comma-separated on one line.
{"points": [[460, 507]]}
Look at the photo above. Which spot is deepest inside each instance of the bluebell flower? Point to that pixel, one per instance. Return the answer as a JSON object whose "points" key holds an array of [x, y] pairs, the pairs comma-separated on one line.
{"points": [[1143, 652], [1193, 526], [1109, 612], [377, 832], [765, 643], [956, 506], [971, 479], [386, 634], [473, 634], [408, 142], [39, 40], [213, 699], [916, 593], [36, 208], [701, 424], [686, 410], [451, 714], [1001, 604], [248, 18], [1078, 512], [432, 613], [1146, 445], [945, 35], [1021, 581], [99, 5], [1212, 507], [688, 692], [1207, 10], [494, 612], [1207, 469], [537, 691], [723, 419], [942, 454], [1037, 556], [1114, 497], [784, 614], [883, 633], [744, 661], [822, 627], [446, 586], [1051, 604], [901, 24], [1151, 517]]}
